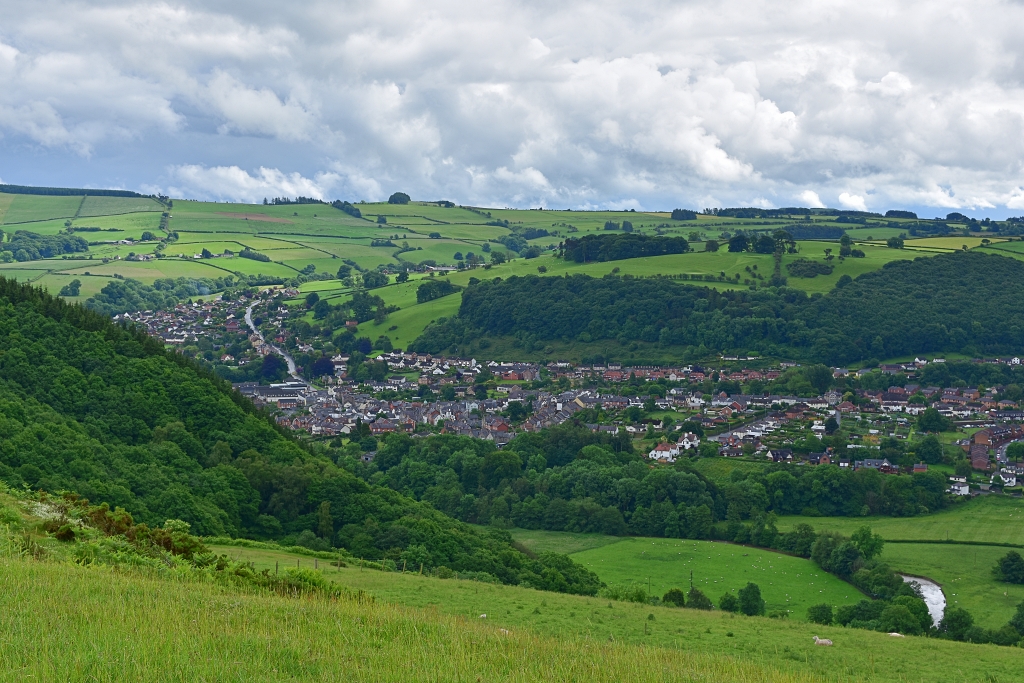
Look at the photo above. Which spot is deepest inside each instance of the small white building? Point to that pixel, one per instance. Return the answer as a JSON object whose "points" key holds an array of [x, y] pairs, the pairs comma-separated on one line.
{"points": [[687, 441], [664, 452]]}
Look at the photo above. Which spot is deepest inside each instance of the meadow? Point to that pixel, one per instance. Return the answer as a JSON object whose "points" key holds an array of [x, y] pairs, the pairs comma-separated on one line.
{"points": [[784, 644]]}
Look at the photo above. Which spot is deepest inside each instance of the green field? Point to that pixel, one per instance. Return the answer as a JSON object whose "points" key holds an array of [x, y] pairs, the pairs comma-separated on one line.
{"points": [[296, 236], [26, 208], [63, 622], [783, 644], [989, 519]]}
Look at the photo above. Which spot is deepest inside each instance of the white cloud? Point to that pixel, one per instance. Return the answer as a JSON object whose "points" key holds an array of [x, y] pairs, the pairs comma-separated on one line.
{"points": [[234, 183], [567, 104], [852, 201], [811, 199]]}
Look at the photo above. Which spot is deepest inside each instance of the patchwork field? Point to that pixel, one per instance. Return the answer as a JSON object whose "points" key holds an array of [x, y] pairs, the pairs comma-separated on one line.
{"points": [[295, 236]]}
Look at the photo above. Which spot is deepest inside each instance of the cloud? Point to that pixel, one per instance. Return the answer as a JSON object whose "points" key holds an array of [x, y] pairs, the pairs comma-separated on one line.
{"points": [[234, 183], [811, 199], [852, 201], [509, 103]]}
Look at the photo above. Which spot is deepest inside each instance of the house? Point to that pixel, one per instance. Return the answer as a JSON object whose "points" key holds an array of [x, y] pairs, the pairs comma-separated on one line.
{"points": [[731, 451], [780, 455], [819, 459], [920, 467], [960, 489], [847, 407], [883, 465], [688, 440], [1004, 478], [665, 452]]}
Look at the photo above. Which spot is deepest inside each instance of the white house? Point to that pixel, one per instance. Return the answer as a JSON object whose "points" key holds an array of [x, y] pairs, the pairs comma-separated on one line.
{"points": [[666, 452], [959, 489], [687, 441]]}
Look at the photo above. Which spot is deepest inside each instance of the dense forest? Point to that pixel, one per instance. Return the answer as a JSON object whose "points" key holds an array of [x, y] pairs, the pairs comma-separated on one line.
{"points": [[965, 302], [129, 295], [591, 248], [28, 246], [104, 410], [567, 478]]}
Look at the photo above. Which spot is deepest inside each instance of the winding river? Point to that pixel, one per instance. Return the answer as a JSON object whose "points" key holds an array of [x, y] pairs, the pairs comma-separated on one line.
{"points": [[933, 596]]}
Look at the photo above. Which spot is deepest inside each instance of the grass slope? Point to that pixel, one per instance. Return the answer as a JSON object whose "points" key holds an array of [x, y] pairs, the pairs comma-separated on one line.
{"points": [[754, 641], [64, 622]]}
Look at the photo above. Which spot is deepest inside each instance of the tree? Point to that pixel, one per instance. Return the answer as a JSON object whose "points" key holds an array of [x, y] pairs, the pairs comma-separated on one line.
{"points": [[729, 603], [683, 215], [831, 425], [1010, 568], [695, 599], [399, 198], [932, 421], [627, 226], [311, 300], [325, 524], [955, 623], [382, 220], [497, 257], [763, 245], [819, 376], [738, 243], [435, 236], [820, 614], [711, 245], [929, 450], [321, 310], [1017, 620], [751, 602], [869, 544], [373, 279], [344, 271], [403, 276], [894, 242], [72, 288], [1015, 451], [458, 256], [899, 619], [674, 597]]}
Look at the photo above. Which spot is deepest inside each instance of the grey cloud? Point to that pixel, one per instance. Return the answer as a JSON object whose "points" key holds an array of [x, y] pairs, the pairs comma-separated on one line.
{"points": [[606, 104]]}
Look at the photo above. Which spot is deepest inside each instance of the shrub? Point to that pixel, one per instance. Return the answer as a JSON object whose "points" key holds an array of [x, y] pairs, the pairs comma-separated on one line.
{"points": [[1010, 568], [899, 619], [956, 623], [751, 602], [820, 614], [729, 603], [696, 599], [674, 597]]}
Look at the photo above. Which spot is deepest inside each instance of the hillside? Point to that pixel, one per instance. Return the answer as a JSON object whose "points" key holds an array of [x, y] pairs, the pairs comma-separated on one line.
{"points": [[966, 302], [192, 248], [104, 411]]}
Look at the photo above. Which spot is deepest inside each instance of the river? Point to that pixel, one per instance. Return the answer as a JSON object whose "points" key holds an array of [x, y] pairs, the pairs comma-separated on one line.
{"points": [[293, 369], [933, 596]]}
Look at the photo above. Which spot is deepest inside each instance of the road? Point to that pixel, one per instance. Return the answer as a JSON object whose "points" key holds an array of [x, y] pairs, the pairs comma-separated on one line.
{"points": [[293, 369]]}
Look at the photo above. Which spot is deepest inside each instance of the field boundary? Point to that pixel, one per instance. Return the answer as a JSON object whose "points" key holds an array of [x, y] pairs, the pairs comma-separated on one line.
{"points": [[940, 541]]}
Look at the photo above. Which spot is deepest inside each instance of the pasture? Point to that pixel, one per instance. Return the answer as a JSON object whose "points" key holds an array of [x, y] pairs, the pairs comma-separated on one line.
{"points": [[784, 644]]}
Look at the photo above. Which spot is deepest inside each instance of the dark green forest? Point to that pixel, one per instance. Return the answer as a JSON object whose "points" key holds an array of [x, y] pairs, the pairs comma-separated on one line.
{"points": [[105, 411], [567, 478], [965, 302], [591, 248], [28, 246]]}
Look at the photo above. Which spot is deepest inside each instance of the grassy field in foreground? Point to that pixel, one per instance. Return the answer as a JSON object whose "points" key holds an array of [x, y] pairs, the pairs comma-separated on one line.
{"points": [[780, 644], [68, 623], [988, 519]]}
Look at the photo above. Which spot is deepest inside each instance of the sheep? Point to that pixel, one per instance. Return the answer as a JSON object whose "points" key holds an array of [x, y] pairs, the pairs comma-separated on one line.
{"points": [[504, 631], [897, 635], [483, 616], [822, 641]]}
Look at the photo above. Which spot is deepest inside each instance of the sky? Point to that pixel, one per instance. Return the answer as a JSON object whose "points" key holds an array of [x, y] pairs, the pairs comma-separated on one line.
{"points": [[618, 104]]}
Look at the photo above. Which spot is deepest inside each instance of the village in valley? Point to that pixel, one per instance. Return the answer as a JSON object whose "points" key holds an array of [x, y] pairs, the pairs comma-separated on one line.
{"points": [[671, 413]]}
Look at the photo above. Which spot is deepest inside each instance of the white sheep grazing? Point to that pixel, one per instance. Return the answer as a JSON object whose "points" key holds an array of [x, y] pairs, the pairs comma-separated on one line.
{"points": [[504, 631], [822, 641], [897, 635], [483, 616]]}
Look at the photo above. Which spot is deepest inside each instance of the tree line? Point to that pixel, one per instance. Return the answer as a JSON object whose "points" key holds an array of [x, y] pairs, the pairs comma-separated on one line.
{"points": [[965, 302]]}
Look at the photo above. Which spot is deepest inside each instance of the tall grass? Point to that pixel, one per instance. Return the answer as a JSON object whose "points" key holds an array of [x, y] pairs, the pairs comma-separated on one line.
{"points": [[63, 622]]}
